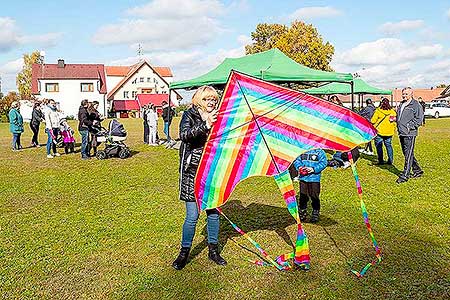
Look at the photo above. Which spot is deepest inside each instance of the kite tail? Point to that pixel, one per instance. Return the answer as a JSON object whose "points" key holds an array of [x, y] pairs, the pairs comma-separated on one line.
{"points": [[301, 256], [257, 246], [366, 221]]}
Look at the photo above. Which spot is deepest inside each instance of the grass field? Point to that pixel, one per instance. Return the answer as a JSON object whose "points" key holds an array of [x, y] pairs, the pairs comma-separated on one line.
{"points": [[73, 229]]}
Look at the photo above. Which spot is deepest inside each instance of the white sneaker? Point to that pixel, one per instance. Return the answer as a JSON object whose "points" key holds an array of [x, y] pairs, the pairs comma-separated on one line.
{"points": [[361, 150], [369, 153], [346, 165], [57, 154], [295, 179], [49, 156]]}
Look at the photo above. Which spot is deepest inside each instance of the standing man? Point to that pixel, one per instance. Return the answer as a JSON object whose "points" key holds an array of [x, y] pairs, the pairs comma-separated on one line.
{"points": [[367, 112], [167, 116], [409, 118], [145, 119], [83, 127]]}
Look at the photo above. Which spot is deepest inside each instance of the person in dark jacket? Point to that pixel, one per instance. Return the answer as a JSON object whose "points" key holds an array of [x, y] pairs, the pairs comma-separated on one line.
{"points": [[96, 118], [84, 123], [310, 166], [422, 103], [194, 129], [167, 115], [409, 119], [145, 110], [15, 125], [37, 116], [367, 112]]}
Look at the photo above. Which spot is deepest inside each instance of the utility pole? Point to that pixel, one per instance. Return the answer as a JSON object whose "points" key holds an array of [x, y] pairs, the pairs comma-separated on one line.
{"points": [[139, 52]]}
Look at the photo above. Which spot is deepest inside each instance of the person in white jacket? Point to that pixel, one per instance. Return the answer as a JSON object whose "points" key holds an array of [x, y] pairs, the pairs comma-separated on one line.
{"points": [[152, 120], [52, 119]]}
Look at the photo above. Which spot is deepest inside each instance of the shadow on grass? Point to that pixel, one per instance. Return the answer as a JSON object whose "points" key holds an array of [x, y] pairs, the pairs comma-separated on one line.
{"points": [[374, 160], [254, 217]]}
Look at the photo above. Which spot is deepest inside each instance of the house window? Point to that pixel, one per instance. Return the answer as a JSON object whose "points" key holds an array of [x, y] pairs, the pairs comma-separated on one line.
{"points": [[133, 94], [141, 79], [87, 87], [164, 92], [148, 79], [125, 94], [134, 81], [52, 87]]}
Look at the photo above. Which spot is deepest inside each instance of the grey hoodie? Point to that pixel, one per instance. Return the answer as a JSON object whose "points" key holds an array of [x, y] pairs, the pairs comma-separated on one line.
{"points": [[409, 118]]}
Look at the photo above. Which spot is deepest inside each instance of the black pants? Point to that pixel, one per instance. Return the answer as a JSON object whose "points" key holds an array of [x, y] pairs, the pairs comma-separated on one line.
{"points": [[369, 147], [411, 164], [35, 130], [146, 132], [309, 190]]}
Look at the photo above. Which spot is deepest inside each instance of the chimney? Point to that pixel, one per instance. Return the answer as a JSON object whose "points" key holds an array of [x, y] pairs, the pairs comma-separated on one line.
{"points": [[61, 63]]}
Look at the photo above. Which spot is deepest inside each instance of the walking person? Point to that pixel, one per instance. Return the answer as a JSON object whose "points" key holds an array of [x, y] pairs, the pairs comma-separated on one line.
{"points": [[96, 119], [52, 119], [383, 120], [409, 119], [194, 129], [84, 123], [15, 125], [152, 121], [167, 116], [367, 112], [37, 116]]}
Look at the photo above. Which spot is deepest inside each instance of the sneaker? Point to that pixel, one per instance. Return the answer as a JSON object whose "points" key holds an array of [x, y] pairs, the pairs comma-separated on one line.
{"points": [[417, 174], [302, 214], [346, 165], [57, 154], [361, 150], [49, 156], [315, 216], [401, 180], [369, 153], [295, 179]]}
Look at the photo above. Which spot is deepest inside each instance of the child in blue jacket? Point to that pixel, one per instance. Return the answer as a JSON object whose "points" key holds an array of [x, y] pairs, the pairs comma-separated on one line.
{"points": [[310, 166]]}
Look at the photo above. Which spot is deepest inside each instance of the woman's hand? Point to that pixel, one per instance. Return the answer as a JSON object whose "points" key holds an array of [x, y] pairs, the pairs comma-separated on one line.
{"points": [[212, 118]]}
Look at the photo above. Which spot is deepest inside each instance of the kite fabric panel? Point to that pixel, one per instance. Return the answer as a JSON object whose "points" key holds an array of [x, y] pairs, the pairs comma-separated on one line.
{"points": [[262, 127]]}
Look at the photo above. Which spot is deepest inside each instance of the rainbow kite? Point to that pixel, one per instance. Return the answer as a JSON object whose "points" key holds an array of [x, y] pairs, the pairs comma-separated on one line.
{"points": [[261, 128]]}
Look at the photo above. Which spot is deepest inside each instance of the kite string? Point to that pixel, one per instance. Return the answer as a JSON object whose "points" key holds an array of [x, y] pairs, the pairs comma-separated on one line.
{"points": [[366, 221]]}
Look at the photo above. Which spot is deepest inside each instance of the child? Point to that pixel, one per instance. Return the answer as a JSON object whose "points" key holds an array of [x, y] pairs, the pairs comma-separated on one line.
{"points": [[67, 134], [310, 165]]}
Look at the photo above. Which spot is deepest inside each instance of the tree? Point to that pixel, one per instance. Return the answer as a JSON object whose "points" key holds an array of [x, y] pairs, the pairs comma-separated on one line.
{"points": [[301, 42], [442, 85], [5, 105], [23, 79]]}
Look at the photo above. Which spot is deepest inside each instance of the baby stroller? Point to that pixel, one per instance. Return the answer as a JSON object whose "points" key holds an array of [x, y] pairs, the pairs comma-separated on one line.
{"points": [[114, 138], [67, 139]]}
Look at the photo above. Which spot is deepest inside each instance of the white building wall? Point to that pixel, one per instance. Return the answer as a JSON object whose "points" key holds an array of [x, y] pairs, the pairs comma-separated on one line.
{"points": [[112, 81], [69, 96]]}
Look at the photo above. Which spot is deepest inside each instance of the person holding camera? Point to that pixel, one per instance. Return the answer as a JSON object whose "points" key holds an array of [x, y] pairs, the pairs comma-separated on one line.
{"points": [[383, 120], [310, 166]]}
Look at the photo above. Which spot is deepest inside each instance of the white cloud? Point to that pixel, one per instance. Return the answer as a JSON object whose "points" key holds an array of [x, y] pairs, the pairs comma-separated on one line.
{"points": [[388, 51], [448, 14], [391, 28], [165, 25], [443, 65], [8, 72], [314, 12], [11, 37]]}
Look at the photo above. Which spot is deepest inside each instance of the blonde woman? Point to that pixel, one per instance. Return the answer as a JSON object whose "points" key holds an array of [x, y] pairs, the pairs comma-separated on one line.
{"points": [[194, 129]]}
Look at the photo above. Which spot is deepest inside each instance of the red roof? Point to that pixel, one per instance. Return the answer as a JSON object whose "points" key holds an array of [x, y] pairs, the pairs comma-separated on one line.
{"points": [[426, 94], [155, 99], [69, 71], [121, 105], [123, 71]]}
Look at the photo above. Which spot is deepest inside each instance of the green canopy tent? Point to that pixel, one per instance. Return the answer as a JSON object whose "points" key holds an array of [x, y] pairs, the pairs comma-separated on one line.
{"points": [[271, 65], [360, 87]]}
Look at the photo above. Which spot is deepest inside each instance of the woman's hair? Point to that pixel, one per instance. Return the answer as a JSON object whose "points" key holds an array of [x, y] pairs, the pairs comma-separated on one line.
{"points": [[203, 93], [334, 99], [15, 104], [51, 100], [95, 103], [36, 104], [384, 105]]}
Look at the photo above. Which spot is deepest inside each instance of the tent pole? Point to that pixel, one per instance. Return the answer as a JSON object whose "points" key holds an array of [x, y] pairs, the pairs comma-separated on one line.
{"points": [[353, 95]]}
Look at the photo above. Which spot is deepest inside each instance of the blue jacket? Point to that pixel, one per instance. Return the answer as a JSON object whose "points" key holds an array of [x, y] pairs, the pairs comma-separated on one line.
{"points": [[315, 159], [15, 121]]}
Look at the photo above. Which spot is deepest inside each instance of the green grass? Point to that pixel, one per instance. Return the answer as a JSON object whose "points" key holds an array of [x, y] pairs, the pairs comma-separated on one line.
{"points": [[72, 229]]}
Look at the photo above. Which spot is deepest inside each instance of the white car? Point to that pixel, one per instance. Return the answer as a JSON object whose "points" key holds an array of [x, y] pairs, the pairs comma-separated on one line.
{"points": [[437, 110]]}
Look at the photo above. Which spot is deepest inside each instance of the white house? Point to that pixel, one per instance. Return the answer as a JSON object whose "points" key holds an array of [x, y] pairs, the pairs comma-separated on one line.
{"points": [[114, 87], [138, 79], [68, 84]]}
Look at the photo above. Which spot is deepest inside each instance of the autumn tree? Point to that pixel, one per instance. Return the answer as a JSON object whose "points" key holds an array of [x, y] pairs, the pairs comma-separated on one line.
{"points": [[442, 85], [23, 79], [301, 42], [5, 105]]}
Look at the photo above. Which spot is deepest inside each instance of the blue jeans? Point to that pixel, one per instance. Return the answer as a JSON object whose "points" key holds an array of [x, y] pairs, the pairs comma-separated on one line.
{"points": [[84, 143], [16, 141], [387, 141], [190, 221], [166, 130], [50, 144]]}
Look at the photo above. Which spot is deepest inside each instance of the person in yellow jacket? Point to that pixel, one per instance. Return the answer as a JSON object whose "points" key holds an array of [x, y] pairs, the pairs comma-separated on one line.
{"points": [[384, 120]]}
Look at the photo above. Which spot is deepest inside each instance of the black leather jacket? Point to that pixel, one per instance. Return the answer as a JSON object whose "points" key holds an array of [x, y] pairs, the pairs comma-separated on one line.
{"points": [[193, 134]]}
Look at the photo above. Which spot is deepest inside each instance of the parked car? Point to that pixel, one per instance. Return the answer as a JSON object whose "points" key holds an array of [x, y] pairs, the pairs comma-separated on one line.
{"points": [[437, 110]]}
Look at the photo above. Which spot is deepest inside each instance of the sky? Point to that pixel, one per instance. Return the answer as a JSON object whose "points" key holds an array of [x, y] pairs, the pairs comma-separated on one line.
{"points": [[388, 43]]}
